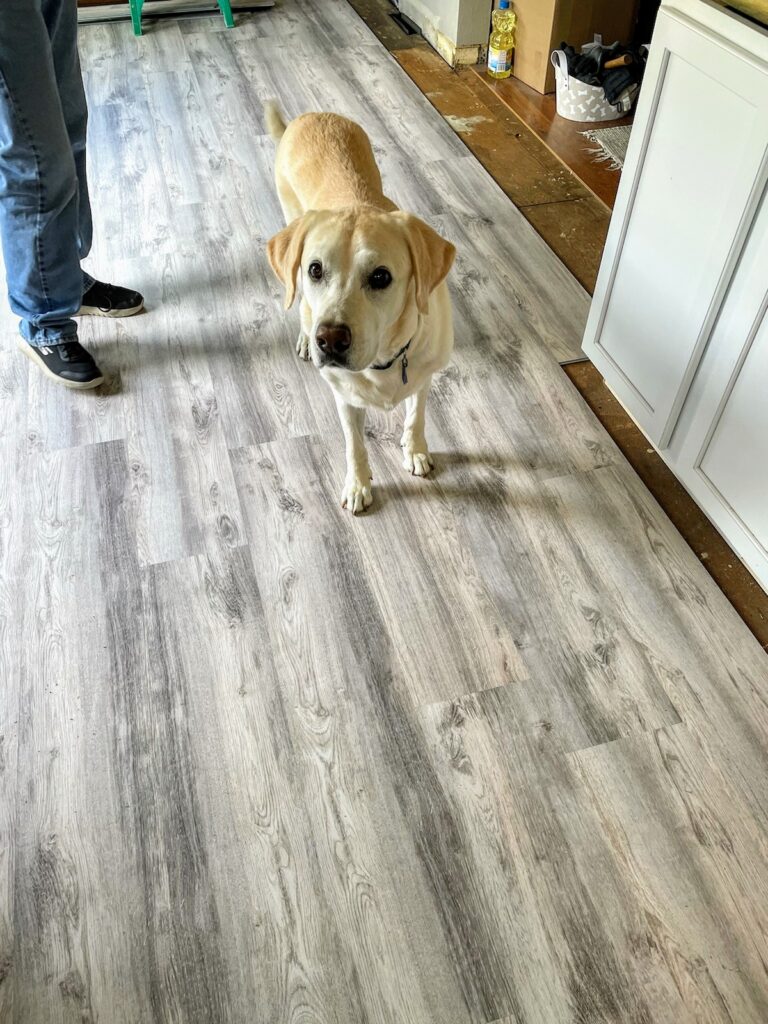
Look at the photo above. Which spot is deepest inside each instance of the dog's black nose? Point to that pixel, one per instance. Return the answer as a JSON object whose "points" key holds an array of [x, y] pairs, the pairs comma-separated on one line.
{"points": [[333, 339]]}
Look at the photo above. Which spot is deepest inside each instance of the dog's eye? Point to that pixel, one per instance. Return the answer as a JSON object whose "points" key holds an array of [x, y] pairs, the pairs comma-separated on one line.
{"points": [[380, 278], [315, 270]]}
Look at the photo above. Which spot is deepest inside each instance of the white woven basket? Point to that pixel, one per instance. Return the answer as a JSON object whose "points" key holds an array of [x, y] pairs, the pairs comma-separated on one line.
{"points": [[578, 101]]}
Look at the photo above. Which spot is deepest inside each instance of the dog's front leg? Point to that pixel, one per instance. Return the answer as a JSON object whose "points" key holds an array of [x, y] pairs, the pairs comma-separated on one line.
{"points": [[302, 345], [356, 495], [416, 457]]}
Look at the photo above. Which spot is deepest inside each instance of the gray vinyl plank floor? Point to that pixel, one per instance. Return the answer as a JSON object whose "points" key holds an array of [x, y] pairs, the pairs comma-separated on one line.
{"points": [[495, 752]]}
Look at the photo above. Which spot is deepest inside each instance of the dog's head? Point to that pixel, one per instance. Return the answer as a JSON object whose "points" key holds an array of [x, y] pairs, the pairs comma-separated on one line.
{"points": [[366, 275]]}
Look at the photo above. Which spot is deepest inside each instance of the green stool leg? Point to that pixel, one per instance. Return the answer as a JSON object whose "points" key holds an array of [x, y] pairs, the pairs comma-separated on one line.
{"points": [[226, 9], [136, 6]]}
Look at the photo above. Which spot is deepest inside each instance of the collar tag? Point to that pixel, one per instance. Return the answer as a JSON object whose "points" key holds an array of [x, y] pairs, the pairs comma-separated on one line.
{"points": [[393, 360]]}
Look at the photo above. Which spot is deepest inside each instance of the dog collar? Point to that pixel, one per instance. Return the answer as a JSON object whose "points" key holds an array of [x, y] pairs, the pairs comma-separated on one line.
{"points": [[393, 360]]}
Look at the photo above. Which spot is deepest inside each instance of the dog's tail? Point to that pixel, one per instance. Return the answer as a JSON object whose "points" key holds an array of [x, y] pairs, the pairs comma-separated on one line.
{"points": [[275, 121]]}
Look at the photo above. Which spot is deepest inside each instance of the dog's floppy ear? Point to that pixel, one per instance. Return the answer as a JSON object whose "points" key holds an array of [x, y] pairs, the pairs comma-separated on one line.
{"points": [[431, 255], [284, 252]]}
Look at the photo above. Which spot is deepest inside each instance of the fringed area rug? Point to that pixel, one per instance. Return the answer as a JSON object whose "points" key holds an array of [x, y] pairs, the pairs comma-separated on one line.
{"points": [[611, 144]]}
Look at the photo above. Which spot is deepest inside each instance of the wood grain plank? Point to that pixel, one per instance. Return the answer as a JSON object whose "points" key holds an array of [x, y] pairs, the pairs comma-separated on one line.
{"points": [[702, 921], [717, 688], [73, 877], [132, 204], [13, 479], [182, 484], [180, 964], [509, 313], [500, 363], [194, 165], [423, 578], [495, 752], [379, 844], [637, 826], [513, 811], [592, 678], [427, 583], [260, 855]]}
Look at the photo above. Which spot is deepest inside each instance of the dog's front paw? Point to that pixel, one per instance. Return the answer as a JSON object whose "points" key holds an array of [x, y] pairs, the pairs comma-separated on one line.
{"points": [[416, 458], [357, 495], [302, 347]]}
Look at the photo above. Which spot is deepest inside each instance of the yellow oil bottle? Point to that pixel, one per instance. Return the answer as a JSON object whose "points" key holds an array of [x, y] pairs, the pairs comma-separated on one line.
{"points": [[501, 45]]}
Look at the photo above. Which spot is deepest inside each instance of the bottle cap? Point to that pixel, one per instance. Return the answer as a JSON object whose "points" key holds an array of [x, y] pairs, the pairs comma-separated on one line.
{"points": [[503, 5]]}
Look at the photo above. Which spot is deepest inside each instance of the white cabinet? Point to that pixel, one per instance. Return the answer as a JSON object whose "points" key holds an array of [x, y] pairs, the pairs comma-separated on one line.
{"points": [[678, 323], [720, 444]]}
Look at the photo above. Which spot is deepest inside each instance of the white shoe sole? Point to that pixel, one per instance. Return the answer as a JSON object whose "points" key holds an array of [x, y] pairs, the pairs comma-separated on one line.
{"points": [[75, 385], [95, 311]]}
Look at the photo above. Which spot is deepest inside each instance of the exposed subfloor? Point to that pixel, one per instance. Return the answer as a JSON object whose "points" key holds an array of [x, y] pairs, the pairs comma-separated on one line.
{"points": [[495, 751]]}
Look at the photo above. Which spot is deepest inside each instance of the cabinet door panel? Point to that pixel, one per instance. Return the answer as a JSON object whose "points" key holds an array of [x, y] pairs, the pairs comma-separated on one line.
{"points": [[689, 190], [720, 446], [735, 460]]}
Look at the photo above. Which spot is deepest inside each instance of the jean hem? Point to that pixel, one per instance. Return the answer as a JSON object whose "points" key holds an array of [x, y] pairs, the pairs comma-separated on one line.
{"points": [[43, 336]]}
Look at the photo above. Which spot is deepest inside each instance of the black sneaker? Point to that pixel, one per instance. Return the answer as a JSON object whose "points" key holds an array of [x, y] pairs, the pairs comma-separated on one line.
{"points": [[68, 363], [103, 299]]}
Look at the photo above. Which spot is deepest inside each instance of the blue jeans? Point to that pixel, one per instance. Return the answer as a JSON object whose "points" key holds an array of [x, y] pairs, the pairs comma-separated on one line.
{"points": [[45, 215]]}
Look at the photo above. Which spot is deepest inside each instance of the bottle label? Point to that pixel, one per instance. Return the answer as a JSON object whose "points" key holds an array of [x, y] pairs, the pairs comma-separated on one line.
{"points": [[499, 60]]}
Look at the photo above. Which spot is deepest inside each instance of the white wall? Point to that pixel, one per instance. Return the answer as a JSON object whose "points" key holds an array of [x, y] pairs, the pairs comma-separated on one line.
{"points": [[474, 21], [455, 22]]}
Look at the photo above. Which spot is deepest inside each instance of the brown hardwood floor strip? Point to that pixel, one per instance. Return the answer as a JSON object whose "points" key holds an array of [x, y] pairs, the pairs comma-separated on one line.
{"points": [[562, 137]]}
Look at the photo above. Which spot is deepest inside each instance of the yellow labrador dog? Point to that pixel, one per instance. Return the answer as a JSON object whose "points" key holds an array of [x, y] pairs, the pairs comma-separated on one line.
{"points": [[375, 311]]}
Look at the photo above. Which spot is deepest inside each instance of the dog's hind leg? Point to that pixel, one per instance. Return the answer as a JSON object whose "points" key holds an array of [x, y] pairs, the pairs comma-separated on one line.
{"points": [[290, 204], [416, 457]]}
